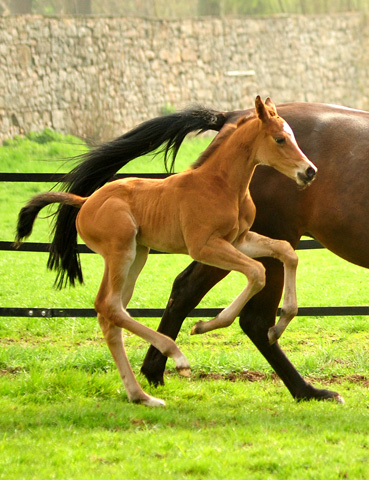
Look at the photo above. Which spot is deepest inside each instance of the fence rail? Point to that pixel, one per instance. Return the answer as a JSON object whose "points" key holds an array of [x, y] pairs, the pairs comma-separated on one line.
{"points": [[136, 312], [158, 312]]}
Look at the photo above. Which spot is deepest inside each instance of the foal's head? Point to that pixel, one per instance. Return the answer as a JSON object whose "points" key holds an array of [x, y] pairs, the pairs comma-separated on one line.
{"points": [[276, 145]]}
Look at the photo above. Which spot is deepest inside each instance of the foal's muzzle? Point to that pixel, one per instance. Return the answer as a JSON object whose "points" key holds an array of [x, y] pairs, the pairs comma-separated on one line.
{"points": [[308, 176]]}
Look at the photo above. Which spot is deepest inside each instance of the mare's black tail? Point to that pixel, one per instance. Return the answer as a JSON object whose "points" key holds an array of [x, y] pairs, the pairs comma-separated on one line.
{"points": [[100, 164]]}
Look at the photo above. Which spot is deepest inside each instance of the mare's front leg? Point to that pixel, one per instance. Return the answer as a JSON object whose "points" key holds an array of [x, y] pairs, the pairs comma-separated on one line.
{"points": [[258, 317], [188, 289]]}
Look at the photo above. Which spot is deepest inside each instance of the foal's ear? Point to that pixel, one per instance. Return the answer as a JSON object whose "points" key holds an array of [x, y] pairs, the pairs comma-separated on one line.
{"points": [[271, 105], [261, 110]]}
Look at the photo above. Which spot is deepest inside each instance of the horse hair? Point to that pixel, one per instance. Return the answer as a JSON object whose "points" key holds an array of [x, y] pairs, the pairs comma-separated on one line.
{"points": [[99, 166]]}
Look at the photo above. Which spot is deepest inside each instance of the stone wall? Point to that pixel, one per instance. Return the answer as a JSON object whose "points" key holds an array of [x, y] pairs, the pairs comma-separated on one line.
{"points": [[99, 76]]}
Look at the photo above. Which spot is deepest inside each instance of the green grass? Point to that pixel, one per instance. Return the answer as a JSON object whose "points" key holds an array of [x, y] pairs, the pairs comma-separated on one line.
{"points": [[64, 412]]}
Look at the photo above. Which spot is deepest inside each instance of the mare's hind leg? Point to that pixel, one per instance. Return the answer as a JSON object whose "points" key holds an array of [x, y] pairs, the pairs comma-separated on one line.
{"points": [[256, 246], [188, 289]]}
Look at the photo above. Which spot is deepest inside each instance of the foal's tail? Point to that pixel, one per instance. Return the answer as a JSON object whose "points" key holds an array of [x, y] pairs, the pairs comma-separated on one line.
{"points": [[100, 164], [29, 212]]}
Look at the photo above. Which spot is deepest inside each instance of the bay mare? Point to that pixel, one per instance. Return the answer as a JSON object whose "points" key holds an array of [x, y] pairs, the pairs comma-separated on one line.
{"points": [[333, 210], [206, 212]]}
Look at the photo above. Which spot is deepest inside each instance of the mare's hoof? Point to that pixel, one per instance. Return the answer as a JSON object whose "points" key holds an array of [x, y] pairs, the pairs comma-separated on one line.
{"points": [[197, 328], [338, 399], [320, 395], [153, 378], [273, 335]]}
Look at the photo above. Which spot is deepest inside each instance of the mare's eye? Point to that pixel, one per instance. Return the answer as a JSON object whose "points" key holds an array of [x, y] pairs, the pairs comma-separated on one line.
{"points": [[280, 140]]}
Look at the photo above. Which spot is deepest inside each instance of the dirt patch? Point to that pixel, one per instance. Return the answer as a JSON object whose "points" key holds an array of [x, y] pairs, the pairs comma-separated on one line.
{"points": [[245, 376], [10, 371], [255, 376], [354, 378]]}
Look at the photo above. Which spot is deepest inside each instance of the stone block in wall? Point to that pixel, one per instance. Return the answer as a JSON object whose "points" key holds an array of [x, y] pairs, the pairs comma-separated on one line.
{"points": [[189, 55], [57, 120], [124, 70]]}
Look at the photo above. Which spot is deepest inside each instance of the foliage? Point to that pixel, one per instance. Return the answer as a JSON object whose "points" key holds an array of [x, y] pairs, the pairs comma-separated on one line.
{"points": [[45, 136], [167, 109], [178, 8], [64, 412]]}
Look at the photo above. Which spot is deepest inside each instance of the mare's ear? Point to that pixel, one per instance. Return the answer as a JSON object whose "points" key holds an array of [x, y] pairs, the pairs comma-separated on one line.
{"points": [[271, 105], [261, 110]]}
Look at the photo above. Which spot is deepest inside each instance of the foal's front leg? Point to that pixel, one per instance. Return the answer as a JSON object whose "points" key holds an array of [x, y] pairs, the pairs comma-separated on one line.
{"points": [[220, 253], [256, 246]]}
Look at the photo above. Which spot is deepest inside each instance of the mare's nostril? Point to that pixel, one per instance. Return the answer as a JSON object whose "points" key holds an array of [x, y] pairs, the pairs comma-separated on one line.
{"points": [[310, 173]]}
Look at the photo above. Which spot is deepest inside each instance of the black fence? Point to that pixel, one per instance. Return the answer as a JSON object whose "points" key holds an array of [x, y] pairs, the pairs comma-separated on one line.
{"points": [[136, 312]]}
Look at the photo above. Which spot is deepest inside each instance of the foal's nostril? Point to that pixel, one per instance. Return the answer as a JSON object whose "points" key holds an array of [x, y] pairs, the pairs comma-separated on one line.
{"points": [[310, 173]]}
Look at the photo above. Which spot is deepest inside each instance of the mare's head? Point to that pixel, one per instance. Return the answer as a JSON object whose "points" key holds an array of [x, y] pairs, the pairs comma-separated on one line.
{"points": [[276, 145]]}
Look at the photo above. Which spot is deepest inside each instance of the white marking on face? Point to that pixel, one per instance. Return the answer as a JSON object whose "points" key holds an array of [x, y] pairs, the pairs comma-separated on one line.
{"points": [[287, 129]]}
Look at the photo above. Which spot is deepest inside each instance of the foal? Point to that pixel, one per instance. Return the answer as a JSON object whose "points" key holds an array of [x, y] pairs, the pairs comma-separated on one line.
{"points": [[205, 212]]}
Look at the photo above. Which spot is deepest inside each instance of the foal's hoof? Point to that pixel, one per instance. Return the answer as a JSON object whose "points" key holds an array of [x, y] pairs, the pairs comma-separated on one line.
{"points": [[149, 401], [197, 328], [273, 335], [182, 366], [184, 372]]}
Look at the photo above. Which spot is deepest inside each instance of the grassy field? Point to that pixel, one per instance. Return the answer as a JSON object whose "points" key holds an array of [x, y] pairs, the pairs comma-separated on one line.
{"points": [[64, 413]]}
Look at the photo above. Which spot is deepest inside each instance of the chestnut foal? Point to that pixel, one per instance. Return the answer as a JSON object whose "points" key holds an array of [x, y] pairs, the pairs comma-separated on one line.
{"points": [[205, 212]]}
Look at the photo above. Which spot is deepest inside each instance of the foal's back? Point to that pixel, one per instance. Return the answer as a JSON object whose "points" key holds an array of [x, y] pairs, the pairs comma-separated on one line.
{"points": [[146, 211]]}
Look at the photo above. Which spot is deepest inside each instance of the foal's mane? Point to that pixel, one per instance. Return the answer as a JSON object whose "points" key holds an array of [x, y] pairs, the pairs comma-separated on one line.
{"points": [[224, 133]]}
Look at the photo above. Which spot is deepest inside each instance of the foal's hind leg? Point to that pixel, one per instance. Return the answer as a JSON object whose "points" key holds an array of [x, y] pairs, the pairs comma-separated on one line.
{"points": [[113, 315], [114, 339], [135, 270]]}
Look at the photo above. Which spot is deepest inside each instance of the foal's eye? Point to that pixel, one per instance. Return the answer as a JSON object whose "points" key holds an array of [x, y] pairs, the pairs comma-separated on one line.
{"points": [[280, 140]]}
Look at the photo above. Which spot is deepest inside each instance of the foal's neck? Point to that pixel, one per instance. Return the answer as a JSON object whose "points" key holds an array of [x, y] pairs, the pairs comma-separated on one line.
{"points": [[234, 158]]}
